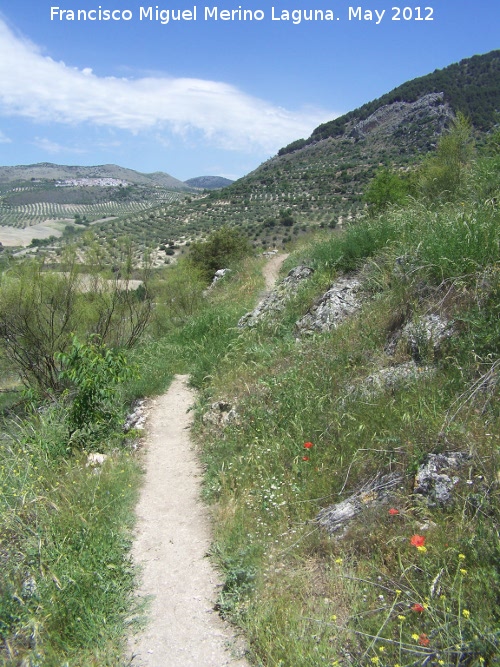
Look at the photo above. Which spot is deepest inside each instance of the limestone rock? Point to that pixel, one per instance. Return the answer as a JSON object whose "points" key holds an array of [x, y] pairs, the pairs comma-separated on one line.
{"points": [[220, 414], [379, 490], [437, 476], [338, 303], [275, 301]]}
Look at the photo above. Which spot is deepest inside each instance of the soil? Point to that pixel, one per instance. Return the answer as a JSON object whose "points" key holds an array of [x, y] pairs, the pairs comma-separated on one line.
{"points": [[271, 270], [171, 547]]}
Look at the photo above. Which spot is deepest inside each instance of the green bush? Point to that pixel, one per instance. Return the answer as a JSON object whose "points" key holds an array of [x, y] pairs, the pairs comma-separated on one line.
{"points": [[222, 248], [93, 370]]}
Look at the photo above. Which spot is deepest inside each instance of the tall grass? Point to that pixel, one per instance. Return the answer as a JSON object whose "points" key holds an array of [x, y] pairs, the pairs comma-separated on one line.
{"points": [[305, 438]]}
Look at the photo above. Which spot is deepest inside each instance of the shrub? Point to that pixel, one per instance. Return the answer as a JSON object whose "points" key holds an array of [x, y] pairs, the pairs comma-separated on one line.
{"points": [[221, 249]]}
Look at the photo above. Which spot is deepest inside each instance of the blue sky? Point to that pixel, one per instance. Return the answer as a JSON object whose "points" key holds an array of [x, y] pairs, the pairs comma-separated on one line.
{"points": [[205, 96]]}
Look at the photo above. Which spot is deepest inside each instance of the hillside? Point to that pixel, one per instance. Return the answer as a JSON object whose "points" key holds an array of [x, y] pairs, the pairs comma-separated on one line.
{"points": [[49, 172], [321, 181], [347, 422], [208, 182], [471, 86]]}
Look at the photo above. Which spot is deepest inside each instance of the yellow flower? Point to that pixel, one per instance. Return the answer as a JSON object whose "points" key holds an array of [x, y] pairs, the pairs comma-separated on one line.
{"points": [[401, 617], [381, 649], [463, 572], [465, 613], [422, 549], [333, 617], [398, 592], [339, 561], [375, 659], [461, 556], [415, 636], [440, 662]]}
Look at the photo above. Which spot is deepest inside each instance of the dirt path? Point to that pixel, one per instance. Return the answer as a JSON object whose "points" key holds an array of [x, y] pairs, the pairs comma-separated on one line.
{"points": [[271, 270], [171, 546]]}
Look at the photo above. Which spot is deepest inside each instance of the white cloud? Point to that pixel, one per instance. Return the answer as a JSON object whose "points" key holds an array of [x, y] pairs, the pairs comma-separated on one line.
{"points": [[52, 147], [4, 139], [38, 88]]}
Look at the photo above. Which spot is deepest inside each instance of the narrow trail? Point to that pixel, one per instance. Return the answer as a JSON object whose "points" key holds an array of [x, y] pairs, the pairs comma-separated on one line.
{"points": [[172, 540], [272, 269], [171, 545]]}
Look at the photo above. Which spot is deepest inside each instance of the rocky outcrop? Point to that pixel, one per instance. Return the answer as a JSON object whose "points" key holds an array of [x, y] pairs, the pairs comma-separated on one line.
{"points": [[379, 490], [406, 118], [438, 475], [389, 378], [220, 414], [137, 418], [422, 336], [338, 303], [275, 301], [434, 482]]}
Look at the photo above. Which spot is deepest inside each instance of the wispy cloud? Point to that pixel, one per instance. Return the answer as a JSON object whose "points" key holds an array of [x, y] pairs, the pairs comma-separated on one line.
{"points": [[37, 87], [4, 139], [53, 147]]}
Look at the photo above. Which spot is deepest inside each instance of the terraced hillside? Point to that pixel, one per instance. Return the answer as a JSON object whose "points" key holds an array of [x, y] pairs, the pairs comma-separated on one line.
{"points": [[321, 181]]}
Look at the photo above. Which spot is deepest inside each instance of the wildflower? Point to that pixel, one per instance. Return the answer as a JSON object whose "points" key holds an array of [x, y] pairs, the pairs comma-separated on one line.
{"points": [[375, 659], [461, 557], [440, 662], [305, 458], [339, 561], [424, 640], [308, 445], [463, 572], [417, 607], [417, 541], [381, 649], [415, 637], [333, 617], [465, 613], [422, 549], [393, 511], [402, 618]]}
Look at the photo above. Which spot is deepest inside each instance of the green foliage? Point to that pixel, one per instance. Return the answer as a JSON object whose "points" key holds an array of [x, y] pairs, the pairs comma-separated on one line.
{"points": [[443, 175], [301, 595], [222, 248], [66, 582], [40, 310], [93, 371], [386, 188]]}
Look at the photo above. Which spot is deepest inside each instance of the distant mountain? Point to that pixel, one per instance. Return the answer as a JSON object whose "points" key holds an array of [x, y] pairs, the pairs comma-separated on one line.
{"points": [[209, 182], [49, 171]]}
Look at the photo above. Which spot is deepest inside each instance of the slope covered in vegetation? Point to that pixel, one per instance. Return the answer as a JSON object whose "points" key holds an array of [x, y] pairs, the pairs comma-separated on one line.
{"points": [[317, 419]]}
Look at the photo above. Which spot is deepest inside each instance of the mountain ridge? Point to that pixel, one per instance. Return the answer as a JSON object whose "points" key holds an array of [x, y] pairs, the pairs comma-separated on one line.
{"points": [[52, 171]]}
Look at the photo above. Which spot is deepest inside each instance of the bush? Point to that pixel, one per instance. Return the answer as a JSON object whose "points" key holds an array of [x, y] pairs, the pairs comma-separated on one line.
{"points": [[93, 370], [221, 249]]}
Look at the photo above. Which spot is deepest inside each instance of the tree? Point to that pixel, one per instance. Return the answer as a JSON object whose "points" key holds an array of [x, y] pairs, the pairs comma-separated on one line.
{"points": [[386, 188], [222, 248], [443, 175], [41, 310]]}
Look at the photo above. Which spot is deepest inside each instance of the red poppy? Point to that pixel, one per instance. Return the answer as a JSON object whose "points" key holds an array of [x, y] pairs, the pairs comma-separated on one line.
{"points": [[393, 511], [424, 640], [417, 607], [308, 445], [417, 540], [305, 458]]}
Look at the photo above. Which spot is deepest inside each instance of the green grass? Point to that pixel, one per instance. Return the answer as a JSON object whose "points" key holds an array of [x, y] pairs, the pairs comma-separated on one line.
{"points": [[67, 582], [306, 598], [303, 597]]}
